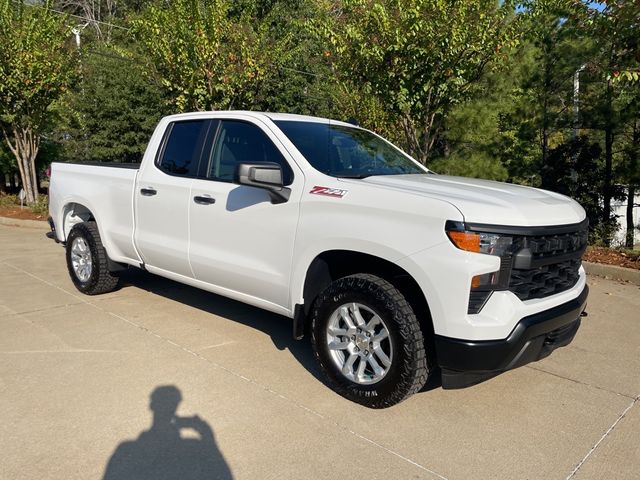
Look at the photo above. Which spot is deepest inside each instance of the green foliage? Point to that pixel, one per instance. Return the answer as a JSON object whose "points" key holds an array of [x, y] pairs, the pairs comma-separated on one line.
{"points": [[619, 24], [7, 160], [478, 139], [476, 88], [8, 200], [353, 104], [35, 70], [113, 113], [41, 207], [207, 58], [419, 57], [298, 82], [472, 164], [576, 169], [35, 67]]}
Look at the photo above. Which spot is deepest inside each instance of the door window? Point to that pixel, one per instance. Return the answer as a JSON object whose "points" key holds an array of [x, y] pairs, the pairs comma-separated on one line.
{"points": [[242, 142], [183, 147]]}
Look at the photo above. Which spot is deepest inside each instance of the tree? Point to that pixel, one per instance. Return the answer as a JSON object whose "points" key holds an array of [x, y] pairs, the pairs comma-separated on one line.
{"points": [[556, 32], [7, 166], [298, 82], [622, 20], [112, 116], [420, 57], [207, 56], [575, 168], [614, 30], [35, 69]]}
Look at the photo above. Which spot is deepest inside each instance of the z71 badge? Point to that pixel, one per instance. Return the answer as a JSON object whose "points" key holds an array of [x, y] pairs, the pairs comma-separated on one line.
{"points": [[329, 192]]}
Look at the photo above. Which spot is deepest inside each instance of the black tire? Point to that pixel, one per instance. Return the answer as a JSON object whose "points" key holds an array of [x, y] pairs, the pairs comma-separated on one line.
{"points": [[101, 280], [408, 371]]}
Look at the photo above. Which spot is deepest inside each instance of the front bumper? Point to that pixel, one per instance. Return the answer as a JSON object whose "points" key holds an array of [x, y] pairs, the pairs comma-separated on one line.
{"points": [[468, 362]]}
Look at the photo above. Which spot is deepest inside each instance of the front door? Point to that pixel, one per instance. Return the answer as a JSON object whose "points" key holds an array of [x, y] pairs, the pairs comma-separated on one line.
{"points": [[240, 240]]}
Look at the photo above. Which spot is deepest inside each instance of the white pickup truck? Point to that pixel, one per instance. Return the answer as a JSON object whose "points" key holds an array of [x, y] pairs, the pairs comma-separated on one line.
{"points": [[397, 273]]}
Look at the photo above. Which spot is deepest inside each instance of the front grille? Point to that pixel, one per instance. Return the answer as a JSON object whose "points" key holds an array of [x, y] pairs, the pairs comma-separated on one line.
{"points": [[545, 246], [547, 264], [545, 280]]}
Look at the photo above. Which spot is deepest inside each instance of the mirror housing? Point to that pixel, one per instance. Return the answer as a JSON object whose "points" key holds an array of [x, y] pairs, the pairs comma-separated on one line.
{"points": [[266, 175]]}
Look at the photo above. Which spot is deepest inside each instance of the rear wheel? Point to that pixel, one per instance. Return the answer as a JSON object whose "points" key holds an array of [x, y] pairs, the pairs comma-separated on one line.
{"points": [[368, 341], [87, 260]]}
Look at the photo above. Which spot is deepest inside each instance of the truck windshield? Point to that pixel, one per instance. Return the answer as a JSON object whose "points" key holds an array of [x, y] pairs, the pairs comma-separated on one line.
{"points": [[346, 152]]}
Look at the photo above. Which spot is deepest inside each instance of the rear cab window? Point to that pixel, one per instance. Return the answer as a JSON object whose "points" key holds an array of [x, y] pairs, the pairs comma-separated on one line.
{"points": [[182, 147]]}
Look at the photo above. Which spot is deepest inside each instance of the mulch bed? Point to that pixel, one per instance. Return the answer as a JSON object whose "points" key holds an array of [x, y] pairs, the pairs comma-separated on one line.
{"points": [[613, 257], [21, 213]]}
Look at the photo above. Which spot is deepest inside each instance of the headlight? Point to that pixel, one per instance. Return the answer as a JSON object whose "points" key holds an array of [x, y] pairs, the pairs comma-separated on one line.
{"points": [[478, 242], [482, 286]]}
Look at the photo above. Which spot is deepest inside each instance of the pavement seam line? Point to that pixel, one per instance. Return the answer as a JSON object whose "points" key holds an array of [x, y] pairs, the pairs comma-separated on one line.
{"points": [[579, 382], [605, 435], [235, 374], [52, 307]]}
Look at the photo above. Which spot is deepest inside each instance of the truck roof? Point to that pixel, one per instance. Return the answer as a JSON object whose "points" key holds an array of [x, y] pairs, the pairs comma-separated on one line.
{"points": [[275, 116]]}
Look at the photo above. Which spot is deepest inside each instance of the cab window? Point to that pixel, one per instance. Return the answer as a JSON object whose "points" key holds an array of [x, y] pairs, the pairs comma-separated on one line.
{"points": [[242, 142], [183, 147]]}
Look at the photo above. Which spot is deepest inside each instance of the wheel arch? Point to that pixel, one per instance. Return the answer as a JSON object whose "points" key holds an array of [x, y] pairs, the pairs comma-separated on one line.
{"points": [[73, 213], [333, 264]]}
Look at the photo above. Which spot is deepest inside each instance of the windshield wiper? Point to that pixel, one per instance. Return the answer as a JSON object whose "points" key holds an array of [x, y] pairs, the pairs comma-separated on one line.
{"points": [[359, 175]]}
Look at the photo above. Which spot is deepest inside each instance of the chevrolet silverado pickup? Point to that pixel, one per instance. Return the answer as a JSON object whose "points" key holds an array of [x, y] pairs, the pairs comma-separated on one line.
{"points": [[395, 272]]}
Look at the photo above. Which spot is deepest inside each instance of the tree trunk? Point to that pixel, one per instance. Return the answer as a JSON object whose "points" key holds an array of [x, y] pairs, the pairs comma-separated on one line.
{"points": [[630, 225], [608, 160], [421, 135], [25, 147], [631, 193], [548, 45]]}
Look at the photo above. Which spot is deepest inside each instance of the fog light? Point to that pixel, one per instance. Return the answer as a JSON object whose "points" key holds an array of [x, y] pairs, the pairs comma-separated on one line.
{"points": [[486, 280]]}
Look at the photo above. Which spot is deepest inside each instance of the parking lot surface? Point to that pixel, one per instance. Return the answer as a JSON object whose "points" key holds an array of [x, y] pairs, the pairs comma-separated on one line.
{"points": [[89, 387]]}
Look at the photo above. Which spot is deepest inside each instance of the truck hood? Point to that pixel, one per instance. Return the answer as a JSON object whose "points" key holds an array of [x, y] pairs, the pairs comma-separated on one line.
{"points": [[485, 201]]}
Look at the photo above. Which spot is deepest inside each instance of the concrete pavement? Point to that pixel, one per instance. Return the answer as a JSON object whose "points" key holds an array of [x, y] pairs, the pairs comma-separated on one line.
{"points": [[77, 375]]}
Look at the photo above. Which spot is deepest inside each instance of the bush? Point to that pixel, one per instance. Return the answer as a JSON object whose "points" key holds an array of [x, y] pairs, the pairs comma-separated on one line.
{"points": [[41, 207], [9, 200]]}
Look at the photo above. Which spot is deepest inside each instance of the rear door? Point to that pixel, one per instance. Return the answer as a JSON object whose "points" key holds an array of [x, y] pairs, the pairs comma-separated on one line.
{"points": [[163, 197], [240, 240]]}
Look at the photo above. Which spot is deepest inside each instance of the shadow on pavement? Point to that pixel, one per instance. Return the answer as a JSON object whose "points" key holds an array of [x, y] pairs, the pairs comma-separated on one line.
{"points": [[278, 327], [162, 453]]}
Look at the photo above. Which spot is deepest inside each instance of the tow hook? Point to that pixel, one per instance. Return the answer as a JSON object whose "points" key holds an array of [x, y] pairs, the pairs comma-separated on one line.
{"points": [[584, 314]]}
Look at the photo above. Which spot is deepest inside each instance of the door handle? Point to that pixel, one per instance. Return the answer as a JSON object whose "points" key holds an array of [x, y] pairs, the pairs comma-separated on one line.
{"points": [[148, 192], [204, 199]]}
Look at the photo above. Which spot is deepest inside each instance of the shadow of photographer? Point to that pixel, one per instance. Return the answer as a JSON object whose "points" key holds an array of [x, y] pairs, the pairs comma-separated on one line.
{"points": [[162, 452]]}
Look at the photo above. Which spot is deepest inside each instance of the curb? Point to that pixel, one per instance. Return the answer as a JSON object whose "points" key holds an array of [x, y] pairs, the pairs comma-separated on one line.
{"points": [[18, 222], [612, 272]]}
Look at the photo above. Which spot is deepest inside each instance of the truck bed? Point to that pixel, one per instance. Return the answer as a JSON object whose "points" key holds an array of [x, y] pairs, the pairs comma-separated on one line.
{"points": [[131, 166], [106, 190]]}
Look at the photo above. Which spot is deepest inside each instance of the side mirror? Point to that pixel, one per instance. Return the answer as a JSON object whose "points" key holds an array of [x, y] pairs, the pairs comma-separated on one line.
{"points": [[265, 175]]}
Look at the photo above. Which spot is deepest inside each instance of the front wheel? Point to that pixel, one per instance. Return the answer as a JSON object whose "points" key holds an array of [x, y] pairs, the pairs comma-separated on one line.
{"points": [[368, 341], [87, 260]]}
